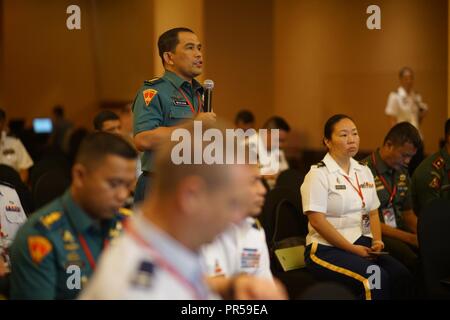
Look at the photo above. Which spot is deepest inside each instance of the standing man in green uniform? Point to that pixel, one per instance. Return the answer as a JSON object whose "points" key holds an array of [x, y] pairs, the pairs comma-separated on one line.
{"points": [[431, 179], [162, 103], [56, 250], [389, 166]]}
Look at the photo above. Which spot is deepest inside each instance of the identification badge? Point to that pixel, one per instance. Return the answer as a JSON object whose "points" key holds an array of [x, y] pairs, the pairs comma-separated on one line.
{"points": [[365, 223], [389, 217]]}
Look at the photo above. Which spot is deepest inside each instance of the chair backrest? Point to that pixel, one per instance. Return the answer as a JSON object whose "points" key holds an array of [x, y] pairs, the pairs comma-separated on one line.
{"points": [[291, 178], [49, 186], [48, 163], [434, 245], [282, 215]]}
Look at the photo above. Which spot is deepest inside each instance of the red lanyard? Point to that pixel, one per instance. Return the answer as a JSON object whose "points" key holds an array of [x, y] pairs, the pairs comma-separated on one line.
{"points": [[189, 102], [392, 192], [88, 252], [162, 262], [358, 190], [83, 242]]}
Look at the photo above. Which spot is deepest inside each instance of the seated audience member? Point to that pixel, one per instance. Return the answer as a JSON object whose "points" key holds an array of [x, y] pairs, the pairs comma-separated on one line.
{"points": [[389, 166], [107, 121], [12, 151], [244, 120], [431, 179], [56, 250], [271, 157], [126, 120], [12, 216], [61, 128], [158, 255], [344, 240], [242, 247]]}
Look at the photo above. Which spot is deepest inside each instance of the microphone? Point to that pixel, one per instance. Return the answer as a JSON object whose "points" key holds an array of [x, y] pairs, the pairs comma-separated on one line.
{"points": [[208, 85]]}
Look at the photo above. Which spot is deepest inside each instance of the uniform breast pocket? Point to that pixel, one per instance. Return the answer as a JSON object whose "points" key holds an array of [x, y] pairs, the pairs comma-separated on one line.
{"points": [[336, 201], [15, 216], [178, 114]]}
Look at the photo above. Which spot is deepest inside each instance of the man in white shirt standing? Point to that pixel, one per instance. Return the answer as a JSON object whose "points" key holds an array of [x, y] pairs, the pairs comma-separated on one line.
{"points": [[405, 104], [12, 151]]}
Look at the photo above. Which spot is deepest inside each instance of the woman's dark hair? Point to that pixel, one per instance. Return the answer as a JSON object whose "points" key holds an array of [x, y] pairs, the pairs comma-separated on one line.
{"points": [[329, 125]]}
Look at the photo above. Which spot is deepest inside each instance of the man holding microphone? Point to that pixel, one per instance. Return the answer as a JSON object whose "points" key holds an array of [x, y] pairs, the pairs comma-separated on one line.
{"points": [[162, 103]]}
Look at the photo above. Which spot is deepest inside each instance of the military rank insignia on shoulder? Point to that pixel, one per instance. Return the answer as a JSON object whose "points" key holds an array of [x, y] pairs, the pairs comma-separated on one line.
{"points": [[153, 81], [363, 163], [257, 225], [320, 164], [439, 163], [50, 219]]}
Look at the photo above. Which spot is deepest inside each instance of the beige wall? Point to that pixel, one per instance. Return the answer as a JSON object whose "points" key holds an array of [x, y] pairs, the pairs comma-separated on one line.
{"points": [[239, 47], [302, 59], [44, 63], [327, 61], [172, 14], [122, 46]]}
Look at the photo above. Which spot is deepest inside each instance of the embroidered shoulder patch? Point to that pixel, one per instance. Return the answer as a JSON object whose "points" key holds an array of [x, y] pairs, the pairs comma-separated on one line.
{"points": [[39, 247], [149, 94]]}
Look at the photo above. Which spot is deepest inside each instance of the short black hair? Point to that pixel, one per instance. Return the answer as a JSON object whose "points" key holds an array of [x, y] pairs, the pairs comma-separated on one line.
{"points": [[447, 128], [102, 116], [95, 146], [277, 122], [2, 115], [244, 116], [329, 125], [404, 132], [403, 70], [169, 40]]}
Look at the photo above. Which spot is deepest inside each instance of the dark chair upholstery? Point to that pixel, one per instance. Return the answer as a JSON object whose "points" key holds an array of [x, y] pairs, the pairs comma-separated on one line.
{"points": [[434, 245], [282, 219], [49, 186]]}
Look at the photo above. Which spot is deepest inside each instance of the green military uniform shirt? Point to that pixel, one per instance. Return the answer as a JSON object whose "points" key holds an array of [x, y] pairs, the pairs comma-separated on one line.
{"points": [[431, 179], [402, 199], [48, 243], [164, 102]]}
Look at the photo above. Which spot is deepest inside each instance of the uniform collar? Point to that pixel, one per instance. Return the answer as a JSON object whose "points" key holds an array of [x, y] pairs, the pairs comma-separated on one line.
{"points": [[78, 217], [178, 81], [186, 262], [381, 166], [333, 167]]}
